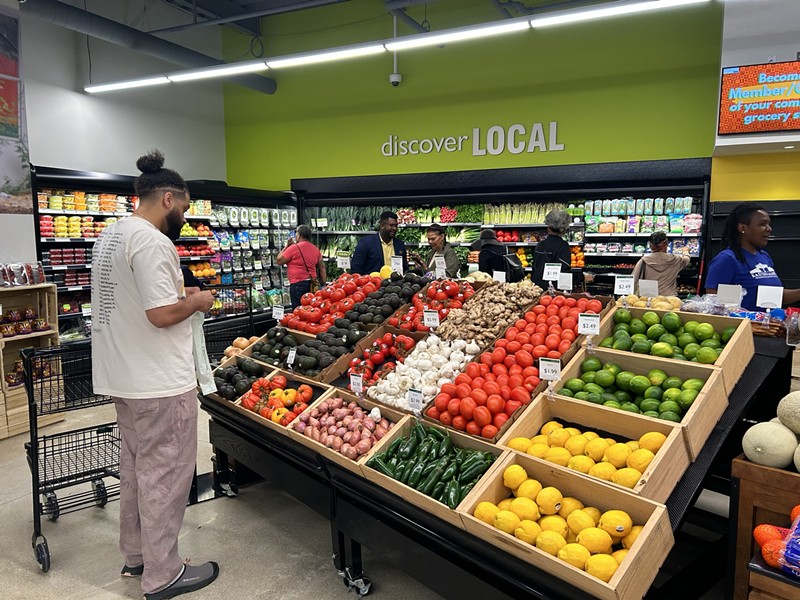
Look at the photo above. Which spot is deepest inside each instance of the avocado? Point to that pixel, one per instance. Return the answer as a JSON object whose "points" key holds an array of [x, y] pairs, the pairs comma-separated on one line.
{"points": [[355, 336], [326, 360], [361, 308], [307, 362], [313, 352], [365, 318], [342, 323], [228, 392], [379, 319], [257, 347], [395, 276], [219, 382], [387, 310], [312, 372], [280, 333], [338, 351], [352, 315], [385, 283], [271, 333], [288, 340], [241, 386], [284, 354], [303, 350], [276, 351]]}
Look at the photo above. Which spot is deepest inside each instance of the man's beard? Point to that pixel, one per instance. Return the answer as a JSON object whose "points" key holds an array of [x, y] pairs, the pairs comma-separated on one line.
{"points": [[174, 225]]}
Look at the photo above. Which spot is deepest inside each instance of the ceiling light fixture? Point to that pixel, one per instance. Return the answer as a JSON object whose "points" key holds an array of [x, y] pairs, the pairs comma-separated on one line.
{"points": [[611, 10], [124, 85], [310, 58], [789, 147], [456, 35], [221, 71]]}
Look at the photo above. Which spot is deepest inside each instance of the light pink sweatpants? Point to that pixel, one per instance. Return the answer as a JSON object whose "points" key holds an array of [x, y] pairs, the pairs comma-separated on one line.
{"points": [[157, 462]]}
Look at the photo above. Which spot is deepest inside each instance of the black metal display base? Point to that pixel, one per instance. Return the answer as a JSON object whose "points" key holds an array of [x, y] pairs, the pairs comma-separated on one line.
{"points": [[449, 560]]}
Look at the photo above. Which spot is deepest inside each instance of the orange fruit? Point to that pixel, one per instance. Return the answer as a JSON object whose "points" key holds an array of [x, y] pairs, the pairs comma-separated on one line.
{"points": [[771, 551], [795, 513], [765, 532]]}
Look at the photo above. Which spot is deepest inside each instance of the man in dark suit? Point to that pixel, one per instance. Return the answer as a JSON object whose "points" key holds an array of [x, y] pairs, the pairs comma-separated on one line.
{"points": [[375, 251]]}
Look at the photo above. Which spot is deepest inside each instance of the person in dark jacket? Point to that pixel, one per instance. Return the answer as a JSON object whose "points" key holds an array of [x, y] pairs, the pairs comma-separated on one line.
{"points": [[492, 252], [376, 251], [553, 249]]}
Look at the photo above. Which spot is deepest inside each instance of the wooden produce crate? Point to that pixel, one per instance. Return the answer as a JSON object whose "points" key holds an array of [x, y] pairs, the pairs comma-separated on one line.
{"points": [[735, 355], [702, 416], [639, 568], [355, 466], [411, 495], [664, 471]]}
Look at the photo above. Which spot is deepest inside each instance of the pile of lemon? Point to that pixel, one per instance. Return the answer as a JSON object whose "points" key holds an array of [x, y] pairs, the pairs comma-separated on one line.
{"points": [[605, 458], [561, 526]]}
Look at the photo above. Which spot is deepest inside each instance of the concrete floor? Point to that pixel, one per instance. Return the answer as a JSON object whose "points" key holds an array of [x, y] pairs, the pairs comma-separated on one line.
{"points": [[268, 544]]}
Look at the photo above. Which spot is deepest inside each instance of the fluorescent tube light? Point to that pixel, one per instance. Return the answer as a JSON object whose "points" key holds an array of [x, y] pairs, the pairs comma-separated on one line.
{"points": [[124, 85], [575, 16], [469, 33], [221, 71], [311, 58], [789, 147]]}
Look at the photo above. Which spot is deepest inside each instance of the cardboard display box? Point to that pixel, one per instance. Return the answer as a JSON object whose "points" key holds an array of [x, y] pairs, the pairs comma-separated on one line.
{"points": [[705, 411], [639, 568], [664, 471]]}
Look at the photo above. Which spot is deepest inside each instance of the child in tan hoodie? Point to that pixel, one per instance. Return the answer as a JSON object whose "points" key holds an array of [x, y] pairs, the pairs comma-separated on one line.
{"points": [[660, 265]]}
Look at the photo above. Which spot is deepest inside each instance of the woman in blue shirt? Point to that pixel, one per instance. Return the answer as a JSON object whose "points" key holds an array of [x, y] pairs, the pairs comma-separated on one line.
{"points": [[743, 261]]}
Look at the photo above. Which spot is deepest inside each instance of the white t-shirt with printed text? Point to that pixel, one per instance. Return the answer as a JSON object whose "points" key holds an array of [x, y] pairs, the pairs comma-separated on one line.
{"points": [[135, 268]]}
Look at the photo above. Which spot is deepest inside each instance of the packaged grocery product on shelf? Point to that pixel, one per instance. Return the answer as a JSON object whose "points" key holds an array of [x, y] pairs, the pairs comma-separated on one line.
{"points": [[20, 274]]}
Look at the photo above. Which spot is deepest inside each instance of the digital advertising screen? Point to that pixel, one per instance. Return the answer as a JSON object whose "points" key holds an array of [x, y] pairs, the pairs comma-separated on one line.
{"points": [[760, 98]]}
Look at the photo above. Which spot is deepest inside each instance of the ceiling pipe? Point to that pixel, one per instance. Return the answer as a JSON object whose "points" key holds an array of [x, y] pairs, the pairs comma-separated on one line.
{"points": [[400, 4], [250, 15], [401, 14], [75, 19], [498, 4]]}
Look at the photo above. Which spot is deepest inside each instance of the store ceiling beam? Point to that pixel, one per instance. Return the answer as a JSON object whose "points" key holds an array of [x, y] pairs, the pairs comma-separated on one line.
{"points": [[397, 8], [75, 19], [275, 9], [208, 10]]}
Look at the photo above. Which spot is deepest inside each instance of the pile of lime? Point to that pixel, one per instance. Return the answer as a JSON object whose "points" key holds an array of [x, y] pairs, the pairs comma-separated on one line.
{"points": [[667, 336], [655, 395]]}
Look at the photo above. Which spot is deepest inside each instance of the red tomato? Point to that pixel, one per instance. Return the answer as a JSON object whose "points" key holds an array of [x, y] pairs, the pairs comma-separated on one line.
{"points": [[433, 413], [473, 429], [540, 350], [554, 330], [495, 404], [570, 302], [511, 334], [463, 390], [520, 324], [569, 323], [440, 402], [513, 347], [473, 370], [527, 348], [569, 335], [491, 387], [531, 383], [530, 372], [501, 343], [564, 346], [537, 310], [521, 395], [530, 329], [482, 416], [542, 329], [454, 407], [480, 396], [468, 406], [463, 378], [486, 358], [552, 311], [489, 431], [524, 359], [490, 377], [524, 338], [559, 300], [511, 407], [485, 369], [499, 369], [545, 300], [498, 356], [449, 389], [582, 304], [515, 381], [446, 418], [477, 383], [552, 341], [537, 339], [574, 312], [554, 354], [563, 312], [502, 380], [505, 392], [499, 419], [514, 370], [510, 361], [595, 306], [459, 423]]}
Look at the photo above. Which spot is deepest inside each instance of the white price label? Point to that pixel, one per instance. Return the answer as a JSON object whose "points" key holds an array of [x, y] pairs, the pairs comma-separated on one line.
{"points": [[322, 223], [254, 244], [257, 265], [356, 383], [86, 311], [565, 281], [259, 284], [623, 285], [290, 358], [343, 262], [550, 369], [648, 288], [415, 400], [588, 324], [396, 264], [729, 294], [430, 318], [440, 267], [769, 296], [499, 276], [277, 312], [551, 271], [472, 267]]}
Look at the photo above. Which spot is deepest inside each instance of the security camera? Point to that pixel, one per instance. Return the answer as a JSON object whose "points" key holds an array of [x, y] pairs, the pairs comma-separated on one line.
{"points": [[395, 79]]}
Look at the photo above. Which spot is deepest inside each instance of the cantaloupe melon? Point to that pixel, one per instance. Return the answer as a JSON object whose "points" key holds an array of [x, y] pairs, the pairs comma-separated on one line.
{"points": [[789, 411], [797, 458], [770, 444]]}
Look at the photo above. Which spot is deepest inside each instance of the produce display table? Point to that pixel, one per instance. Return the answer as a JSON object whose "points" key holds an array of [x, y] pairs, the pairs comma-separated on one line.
{"points": [[449, 560]]}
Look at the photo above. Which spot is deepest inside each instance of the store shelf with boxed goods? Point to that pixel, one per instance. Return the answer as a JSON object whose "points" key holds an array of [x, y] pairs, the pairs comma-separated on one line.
{"points": [[28, 318]]}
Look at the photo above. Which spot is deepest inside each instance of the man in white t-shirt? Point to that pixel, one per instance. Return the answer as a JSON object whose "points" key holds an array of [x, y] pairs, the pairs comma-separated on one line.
{"points": [[142, 358]]}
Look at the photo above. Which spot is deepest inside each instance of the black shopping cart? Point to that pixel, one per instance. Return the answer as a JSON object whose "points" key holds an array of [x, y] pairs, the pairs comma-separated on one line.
{"points": [[59, 379], [229, 318]]}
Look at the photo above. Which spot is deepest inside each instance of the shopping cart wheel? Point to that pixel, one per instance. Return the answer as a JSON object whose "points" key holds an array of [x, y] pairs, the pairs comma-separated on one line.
{"points": [[42, 553], [51, 506], [100, 494]]}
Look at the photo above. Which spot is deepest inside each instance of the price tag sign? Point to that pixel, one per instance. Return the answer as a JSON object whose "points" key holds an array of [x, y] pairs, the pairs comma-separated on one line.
{"points": [[396, 264], [257, 265], [565, 281], [277, 312], [769, 296], [440, 267], [648, 288], [551, 271], [321, 223], [255, 244], [343, 262], [86, 311], [729, 294], [499, 276], [290, 358], [415, 400], [356, 383], [259, 284], [623, 285], [588, 324], [472, 267], [550, 369], [430, 318]]}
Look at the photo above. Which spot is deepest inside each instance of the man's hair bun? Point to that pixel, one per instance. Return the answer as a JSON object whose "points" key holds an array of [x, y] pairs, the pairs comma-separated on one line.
{"points": [[152, 162]]}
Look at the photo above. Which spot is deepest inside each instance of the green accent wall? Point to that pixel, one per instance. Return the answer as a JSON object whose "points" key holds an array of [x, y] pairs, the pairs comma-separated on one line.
{"points": [[641, 87]]}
